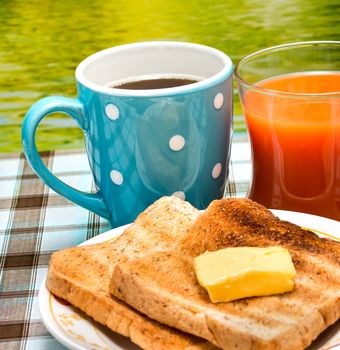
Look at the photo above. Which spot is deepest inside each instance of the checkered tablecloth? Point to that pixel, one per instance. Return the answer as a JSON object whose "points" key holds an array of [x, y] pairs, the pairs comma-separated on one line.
{"points": [[35, 222]]}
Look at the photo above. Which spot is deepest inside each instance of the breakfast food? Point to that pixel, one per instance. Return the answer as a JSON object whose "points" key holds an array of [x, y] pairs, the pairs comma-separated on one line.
{"points": [[163, 285], [239, 272], [81, 275]]}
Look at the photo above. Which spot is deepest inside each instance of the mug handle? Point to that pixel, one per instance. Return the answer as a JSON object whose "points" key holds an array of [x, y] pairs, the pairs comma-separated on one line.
{"points": [[74, 108]]}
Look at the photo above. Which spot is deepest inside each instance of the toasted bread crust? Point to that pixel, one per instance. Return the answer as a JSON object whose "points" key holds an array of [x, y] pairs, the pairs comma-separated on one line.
{"points": [[110, 311], [163, 285], [81, 276]]}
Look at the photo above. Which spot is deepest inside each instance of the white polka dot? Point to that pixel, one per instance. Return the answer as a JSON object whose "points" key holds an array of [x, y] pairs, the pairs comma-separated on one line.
{"points": [[216, 172], [177, 142], [112, 111], [179, 194], [218, 101], [116, 177]]}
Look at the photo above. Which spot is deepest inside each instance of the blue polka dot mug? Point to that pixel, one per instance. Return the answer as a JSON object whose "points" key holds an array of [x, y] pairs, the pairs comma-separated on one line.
{"points": [[143, 144]]}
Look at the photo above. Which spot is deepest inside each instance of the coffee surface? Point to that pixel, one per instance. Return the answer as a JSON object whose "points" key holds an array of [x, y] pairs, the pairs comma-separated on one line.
{"points": [[153, 83]]}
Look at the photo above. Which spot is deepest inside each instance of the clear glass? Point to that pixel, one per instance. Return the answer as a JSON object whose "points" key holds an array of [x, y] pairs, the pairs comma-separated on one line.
{"points": [[290, 95]]}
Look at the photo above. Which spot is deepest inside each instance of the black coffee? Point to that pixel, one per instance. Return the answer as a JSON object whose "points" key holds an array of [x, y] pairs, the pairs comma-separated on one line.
{"points": [[154, 83]]}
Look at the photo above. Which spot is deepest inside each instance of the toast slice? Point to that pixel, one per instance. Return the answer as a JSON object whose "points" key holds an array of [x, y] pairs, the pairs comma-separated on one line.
{"points": [[163, 286], [81, 275]]}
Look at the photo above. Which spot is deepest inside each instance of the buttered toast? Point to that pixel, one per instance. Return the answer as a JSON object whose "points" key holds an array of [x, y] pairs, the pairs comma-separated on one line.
{"points": [[81, 275], [163, 285]]}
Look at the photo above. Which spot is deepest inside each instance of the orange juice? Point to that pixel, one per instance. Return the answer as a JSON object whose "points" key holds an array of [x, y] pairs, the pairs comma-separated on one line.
{"points": [[296, 142]]}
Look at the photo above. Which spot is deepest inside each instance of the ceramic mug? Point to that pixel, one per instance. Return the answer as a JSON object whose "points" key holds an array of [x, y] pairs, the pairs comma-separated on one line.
{"points": [[143, 144]]}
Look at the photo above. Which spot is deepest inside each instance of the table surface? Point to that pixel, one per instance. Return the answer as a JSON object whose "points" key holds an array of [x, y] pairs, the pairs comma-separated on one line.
{"points": [[35, 222]]}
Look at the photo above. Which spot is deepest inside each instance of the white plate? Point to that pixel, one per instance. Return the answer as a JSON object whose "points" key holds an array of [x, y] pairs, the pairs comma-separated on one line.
{"points": [[76, 331]]}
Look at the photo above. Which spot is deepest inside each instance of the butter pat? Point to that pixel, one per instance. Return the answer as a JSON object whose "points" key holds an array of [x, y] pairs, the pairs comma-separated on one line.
{"points": [[235, 273]]}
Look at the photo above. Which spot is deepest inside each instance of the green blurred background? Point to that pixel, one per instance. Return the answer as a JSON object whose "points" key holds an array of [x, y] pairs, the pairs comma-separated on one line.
{"points": [[41, 43]]}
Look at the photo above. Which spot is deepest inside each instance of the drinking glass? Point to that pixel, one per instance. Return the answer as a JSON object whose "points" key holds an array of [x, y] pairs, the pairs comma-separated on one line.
{"points": [[290, 96]]}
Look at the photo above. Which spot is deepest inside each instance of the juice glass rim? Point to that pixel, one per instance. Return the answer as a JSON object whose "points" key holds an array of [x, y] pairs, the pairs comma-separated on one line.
{"points": [[271, 92]]}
